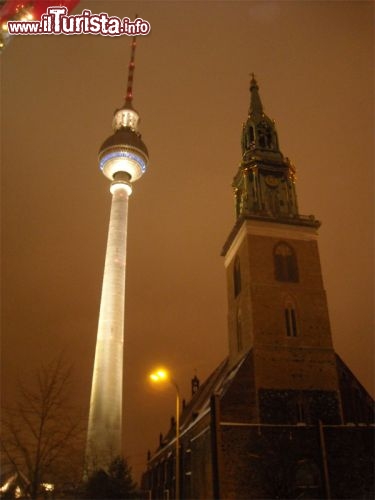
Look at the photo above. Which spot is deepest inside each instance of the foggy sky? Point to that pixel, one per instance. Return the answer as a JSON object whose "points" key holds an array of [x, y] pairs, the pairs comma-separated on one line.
{"points": [[314, 65]]}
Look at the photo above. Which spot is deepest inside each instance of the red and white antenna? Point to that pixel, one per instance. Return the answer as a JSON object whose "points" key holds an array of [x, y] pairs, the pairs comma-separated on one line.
{"points": [[129, 88]]}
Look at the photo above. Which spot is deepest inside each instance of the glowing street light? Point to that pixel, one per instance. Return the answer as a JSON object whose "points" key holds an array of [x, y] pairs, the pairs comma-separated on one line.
{"points": [[162, 375], [159, 375]]}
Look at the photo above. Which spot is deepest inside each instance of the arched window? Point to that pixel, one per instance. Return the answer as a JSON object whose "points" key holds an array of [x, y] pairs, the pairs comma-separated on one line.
{"points": [[237, 276], [290, 322], [290, 315], [251, 135], [285, 263]]}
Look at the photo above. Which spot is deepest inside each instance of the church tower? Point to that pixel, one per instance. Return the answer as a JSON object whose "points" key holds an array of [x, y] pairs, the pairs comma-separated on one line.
{"points": [[277, 306], [123, 159]]}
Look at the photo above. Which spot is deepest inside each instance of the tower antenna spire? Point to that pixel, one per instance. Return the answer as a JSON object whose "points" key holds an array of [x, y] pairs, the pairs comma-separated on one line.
{"points": [[129, 87]]}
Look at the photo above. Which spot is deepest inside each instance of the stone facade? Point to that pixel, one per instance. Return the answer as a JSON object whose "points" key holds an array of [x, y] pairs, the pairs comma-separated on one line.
{"points": [[237, 444]]}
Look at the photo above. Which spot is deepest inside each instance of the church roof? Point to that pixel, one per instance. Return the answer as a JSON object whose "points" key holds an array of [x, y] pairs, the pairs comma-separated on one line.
{"points": [[199, 405], [219, 382]]}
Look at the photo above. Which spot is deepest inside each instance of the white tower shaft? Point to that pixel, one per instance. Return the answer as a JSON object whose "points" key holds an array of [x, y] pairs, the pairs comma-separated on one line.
{"points": [[105, 417]]}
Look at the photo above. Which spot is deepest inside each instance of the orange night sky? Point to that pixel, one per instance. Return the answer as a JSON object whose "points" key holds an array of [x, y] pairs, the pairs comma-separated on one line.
{"points": [[314, 62]]}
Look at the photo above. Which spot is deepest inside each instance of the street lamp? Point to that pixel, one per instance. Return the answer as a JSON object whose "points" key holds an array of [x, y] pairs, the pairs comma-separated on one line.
{"points": [[162, 375]]}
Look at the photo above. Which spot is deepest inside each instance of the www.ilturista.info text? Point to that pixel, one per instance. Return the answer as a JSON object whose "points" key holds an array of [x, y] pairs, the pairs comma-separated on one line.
{"points": [[57, 22]]}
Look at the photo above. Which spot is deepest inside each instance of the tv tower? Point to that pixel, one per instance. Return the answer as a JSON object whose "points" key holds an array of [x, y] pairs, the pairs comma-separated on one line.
{"points": [[123, 159]]}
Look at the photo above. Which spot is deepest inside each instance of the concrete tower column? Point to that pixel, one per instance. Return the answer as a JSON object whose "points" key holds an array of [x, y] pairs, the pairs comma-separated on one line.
{"points": [[105, 421]]}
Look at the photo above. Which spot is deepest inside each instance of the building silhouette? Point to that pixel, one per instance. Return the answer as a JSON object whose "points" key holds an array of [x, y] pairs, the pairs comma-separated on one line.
{"points": [[282, 416], [123, 159]]}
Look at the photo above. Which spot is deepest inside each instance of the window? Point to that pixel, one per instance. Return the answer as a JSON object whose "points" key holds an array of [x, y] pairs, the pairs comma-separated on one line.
{"points": [[290, 317], [239, 331], [265, 135], [237, 276], [251, 134], [285, 262], [290, 322]]}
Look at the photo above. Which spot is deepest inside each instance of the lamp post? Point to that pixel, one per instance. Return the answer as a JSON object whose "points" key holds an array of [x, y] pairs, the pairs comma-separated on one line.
{"points": [[162, 375]]}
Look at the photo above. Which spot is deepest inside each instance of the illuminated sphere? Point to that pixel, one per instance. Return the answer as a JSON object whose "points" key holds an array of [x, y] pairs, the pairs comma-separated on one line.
{"points": [[125, 152]]}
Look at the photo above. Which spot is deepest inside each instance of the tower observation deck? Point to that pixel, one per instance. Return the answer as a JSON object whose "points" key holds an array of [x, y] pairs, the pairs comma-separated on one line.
{"points": [[123, 159]]}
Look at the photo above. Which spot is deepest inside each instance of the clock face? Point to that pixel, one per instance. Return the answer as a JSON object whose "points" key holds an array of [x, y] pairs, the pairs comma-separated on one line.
{"points": [[272, 181]]}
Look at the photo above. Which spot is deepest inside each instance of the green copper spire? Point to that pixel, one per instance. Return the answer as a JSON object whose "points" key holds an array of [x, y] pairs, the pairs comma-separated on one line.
{"points": [[264, 185], [259, 132], [256, 107]]}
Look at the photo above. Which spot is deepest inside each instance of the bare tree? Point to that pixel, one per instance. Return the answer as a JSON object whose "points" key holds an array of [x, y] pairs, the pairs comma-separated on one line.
{"points": [[42, 436]]}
